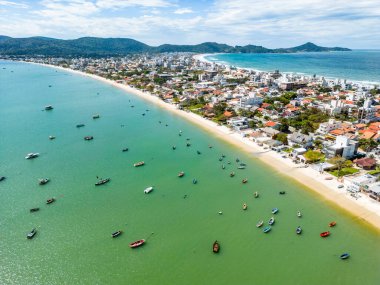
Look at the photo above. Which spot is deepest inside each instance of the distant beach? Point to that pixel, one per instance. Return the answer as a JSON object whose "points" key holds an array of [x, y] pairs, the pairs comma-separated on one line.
{"points": [[362, 209]]}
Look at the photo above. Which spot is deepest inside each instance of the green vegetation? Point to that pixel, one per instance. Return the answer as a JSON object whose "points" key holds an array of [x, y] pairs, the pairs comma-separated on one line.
{"points": [[367, 144], [375, 171], [308, 121], [282, 137], [344, 171], [314, 156], [342, 166]]}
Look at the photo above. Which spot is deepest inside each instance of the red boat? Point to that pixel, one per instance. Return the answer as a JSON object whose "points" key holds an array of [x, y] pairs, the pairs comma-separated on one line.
{"points": [[137, 243], [332, 224], [215, 247], [325, 234]]}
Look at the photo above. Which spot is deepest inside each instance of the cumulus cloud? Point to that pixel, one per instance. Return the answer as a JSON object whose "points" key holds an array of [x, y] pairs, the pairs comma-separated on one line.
{"points": [[183, 11], [13, 4]]}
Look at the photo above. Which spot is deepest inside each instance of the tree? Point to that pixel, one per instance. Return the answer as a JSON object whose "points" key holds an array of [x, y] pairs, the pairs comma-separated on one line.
{"points": [[282, 137], [313, 156], [340, 162]]}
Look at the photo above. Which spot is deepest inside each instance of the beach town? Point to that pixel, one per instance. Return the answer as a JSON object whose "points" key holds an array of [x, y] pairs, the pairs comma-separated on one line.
{"points": [[324, 133]]}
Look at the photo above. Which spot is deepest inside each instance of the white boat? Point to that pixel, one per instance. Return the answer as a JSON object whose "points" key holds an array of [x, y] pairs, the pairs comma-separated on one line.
{"points": [[32, 155], [148, 190], [299, 214]]}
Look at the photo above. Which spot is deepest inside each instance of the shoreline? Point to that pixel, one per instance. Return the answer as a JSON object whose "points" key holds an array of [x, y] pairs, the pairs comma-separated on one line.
{"points": [[202, 58], [362, 209]]}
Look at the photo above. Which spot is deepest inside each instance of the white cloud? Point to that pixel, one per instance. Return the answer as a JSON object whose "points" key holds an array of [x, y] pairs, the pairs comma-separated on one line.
{"points": [[183, 11], [13, 4], [117, 4]]}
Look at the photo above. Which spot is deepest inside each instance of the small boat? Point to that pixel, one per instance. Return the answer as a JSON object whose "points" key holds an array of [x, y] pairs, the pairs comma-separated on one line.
{"points": [[34, 210], [328, 178], [137, 164], [2, 178], [97, 116], [195, 181], [174, 147], [220, 213], [267, 229], [228, 162], [220, 158], [215, 247], [51, 137], [332, 224], [80, 125], [298, 230], [137, 243], [32, 155], [31, 234], [148, 190], [340, 186], [259, 224], [271, 221], [223, 155], [245, 206], [210, 146], [243, 164], [102, 181], [116, 234], [198, 152], [43, 181], [237, 160], [232, 174], [88, 138], [143, 114], [282, 192], [223, 166], [241, 167], [324, 234], [49, 201], [187, 139], [256, 194], [344, 255], [49, 107], [274, 210], [181, 174], [180, 134], [299, 215], [125, 149], [245, 180]]}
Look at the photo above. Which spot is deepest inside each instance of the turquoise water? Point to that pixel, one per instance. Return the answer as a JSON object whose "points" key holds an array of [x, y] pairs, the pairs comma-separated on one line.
{"points": [[357, 65], [74, 245]]}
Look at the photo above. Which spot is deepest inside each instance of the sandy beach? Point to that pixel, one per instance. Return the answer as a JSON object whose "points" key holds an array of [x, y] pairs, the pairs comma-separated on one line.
{"points": [[363, 209]]}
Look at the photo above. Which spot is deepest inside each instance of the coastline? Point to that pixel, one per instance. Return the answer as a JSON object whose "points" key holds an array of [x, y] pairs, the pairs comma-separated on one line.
{"points": [[362, 209], [202, 58]]}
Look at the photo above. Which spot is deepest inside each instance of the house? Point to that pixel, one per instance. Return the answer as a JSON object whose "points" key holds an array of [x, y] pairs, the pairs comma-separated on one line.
{"points": [[325, 128], [238, 123], [300, 139], [366, 163], [357, 183], [343, 147], [373, 190]]}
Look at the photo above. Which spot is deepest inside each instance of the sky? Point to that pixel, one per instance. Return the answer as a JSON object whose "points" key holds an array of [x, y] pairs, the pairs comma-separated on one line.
{"points": [[270, 23]]}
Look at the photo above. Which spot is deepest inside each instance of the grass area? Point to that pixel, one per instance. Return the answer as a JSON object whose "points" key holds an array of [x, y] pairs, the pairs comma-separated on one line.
{"points": [[373, 172], [344, 171]]}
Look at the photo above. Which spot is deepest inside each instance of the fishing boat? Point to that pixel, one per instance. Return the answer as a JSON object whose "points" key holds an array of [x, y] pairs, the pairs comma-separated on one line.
{"points": [[256, 194], [137, 243], [148, 190], [245, 180], [298, 230], [232, 174], [241, 167], [332, 224], [188, 144], [223, 166], [125, 149], [267, 229], [259, 224], [271, 221], [116, 234], [102, 181], [245, 206], [228, 162], [299, 215], [210, 146], [137, 164], [243, 164], [237, 160], [282, 192], [215, 247], [220, 213], [220, 158], [88, 138], [31, 234], [80, 126], [324, 234], [51, 137], [49, 107], [344, 255], [32, 155], [195, 181], [274, 210], [34, 210], [181, 174], [223, 155], [43, 181], [97, 116], [174, 147], [49, 201], [2, 178], [198, 152]]}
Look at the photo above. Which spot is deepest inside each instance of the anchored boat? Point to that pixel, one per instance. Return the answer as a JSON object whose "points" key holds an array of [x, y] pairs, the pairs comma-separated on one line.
{"points": [[215, 247], [137, 243]]}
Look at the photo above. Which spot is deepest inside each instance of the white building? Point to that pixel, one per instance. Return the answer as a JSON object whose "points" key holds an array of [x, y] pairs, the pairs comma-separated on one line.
{"points": [[355, 184], [324, 128], [343, 147]]}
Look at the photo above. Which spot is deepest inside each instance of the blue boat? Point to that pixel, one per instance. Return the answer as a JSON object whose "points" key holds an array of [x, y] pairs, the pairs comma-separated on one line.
{"points": [[274, 210], [271, 221], [195, 181], [298, 230], [267, 229], [344, 255]]}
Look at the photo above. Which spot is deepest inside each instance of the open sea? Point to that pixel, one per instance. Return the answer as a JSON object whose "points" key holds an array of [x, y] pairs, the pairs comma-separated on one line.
{"points": [[356, 65], [179, 219]]}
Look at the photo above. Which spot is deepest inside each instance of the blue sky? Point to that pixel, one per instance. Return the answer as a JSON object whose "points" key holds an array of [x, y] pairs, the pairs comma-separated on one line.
{"points": [[271, 23]]}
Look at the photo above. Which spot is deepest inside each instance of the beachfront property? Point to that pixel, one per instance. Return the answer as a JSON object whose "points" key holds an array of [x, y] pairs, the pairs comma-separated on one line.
{"points": [[309, 118]]}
